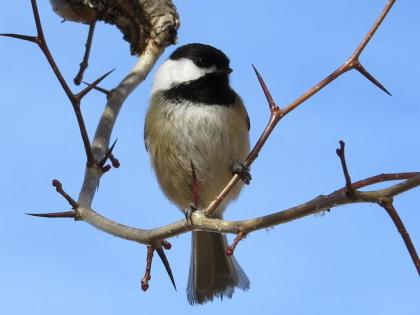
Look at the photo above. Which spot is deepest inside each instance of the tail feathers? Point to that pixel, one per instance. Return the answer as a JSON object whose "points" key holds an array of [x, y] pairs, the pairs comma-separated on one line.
{"points": [[212, 272]]}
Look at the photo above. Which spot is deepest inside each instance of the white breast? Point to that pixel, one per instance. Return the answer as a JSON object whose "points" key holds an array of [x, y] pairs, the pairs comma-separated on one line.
{"points": [[212, 137]]}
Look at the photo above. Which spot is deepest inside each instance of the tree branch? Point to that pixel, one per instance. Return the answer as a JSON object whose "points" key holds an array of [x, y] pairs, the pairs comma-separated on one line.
{"points": [[202, 223], [75, 99], [277, 113], [164, 22], [388, 205]]}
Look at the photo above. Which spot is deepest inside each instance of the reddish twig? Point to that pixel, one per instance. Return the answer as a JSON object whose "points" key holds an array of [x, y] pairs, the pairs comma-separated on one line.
{"points": [[59, 188], [350, 191], [239, 237], [147, 274], [379, 179], [85, 62], [278, 113], [392, 212], [149, 260], [68, 214]]}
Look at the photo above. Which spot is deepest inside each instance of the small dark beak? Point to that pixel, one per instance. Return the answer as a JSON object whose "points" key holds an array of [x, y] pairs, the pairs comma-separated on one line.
{"points": [[224, 71]]}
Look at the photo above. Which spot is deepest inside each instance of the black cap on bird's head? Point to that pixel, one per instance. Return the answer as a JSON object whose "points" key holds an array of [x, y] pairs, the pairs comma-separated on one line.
{"points": [[203, 56], [196, 73]]}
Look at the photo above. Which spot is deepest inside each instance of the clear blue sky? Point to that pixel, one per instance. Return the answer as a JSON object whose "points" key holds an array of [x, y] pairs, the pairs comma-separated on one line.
{"points": [[349, 261]]}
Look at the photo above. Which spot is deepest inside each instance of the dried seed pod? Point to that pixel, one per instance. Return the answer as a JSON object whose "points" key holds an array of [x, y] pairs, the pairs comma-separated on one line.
{"points": [[143, 22]]}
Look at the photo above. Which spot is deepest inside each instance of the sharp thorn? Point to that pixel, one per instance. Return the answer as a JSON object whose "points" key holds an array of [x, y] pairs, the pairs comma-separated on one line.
{"points": [[271, 103], [371, 78], [91, 86], [165, 262], [67, 214], [32, 39], [107, 155], [100, 89]]}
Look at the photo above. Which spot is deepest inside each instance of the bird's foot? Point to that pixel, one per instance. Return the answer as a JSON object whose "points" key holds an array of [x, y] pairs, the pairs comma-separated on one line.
{"points": [[242, 171], [189, 211]]}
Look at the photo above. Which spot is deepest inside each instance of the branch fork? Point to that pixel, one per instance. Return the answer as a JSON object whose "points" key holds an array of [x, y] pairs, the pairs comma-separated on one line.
{"points": [[149, 260], [75, 99], [239, 237], [68, 214], [277, 113]]}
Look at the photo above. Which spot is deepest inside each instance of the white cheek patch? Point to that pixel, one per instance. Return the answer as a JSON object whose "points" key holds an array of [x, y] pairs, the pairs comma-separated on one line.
{"points": [[173, 72]]}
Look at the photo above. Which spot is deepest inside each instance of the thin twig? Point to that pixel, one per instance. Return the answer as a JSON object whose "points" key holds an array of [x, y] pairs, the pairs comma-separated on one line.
{"points": [[388, 205], [147, 274], [380, 179], [59, 188], [85, 62], [231, 249], [350, 191]]}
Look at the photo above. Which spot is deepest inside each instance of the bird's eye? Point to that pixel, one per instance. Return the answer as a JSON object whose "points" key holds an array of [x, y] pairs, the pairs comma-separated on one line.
{"points": [[201, 62]]}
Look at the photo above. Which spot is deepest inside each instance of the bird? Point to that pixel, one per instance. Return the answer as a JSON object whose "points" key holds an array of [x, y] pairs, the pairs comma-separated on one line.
{"points": [[196, 119]]}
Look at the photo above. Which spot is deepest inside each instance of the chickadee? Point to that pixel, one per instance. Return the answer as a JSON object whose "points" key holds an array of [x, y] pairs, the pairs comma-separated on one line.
{"points": [[195, 117]]}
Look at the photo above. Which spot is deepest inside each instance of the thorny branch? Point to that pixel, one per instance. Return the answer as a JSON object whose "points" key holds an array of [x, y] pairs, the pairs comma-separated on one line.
{"points": [[160, 23], [85, 62], [278, 113], [167, 22], [75, 99]]}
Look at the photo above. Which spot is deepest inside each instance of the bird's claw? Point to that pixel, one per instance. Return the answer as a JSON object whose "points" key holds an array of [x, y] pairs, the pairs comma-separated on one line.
{"points": [[189, 211], [242, 171]]}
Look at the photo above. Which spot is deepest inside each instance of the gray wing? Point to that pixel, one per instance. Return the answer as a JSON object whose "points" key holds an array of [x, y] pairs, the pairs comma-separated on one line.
{"points": [[240, 103]]}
